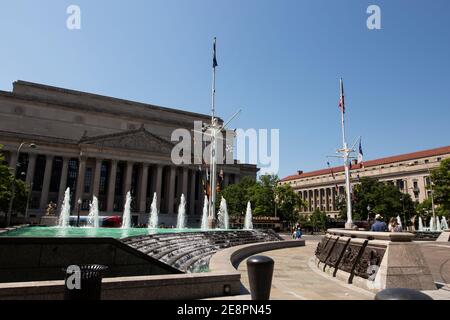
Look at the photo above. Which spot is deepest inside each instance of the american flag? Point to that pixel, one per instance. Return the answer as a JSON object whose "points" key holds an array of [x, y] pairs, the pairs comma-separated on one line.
{"points": [[342, 99]]}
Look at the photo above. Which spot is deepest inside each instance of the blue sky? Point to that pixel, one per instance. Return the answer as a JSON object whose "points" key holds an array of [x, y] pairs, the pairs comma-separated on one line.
{"points": [[279, 61]]}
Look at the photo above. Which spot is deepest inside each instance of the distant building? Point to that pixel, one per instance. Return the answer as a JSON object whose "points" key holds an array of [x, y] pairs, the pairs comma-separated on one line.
{"points": [[101, 146], [409, 172]]}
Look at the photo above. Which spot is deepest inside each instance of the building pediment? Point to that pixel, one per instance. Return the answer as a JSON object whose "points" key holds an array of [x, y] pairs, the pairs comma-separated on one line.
{"points": [[133, 140]]}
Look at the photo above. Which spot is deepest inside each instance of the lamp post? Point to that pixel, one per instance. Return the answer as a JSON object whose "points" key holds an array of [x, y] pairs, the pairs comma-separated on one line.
{"points": [[78, 212], [13, 181]]}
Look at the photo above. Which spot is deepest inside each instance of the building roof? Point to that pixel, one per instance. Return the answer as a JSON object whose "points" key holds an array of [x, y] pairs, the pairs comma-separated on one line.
{"points": [[372, 163]]}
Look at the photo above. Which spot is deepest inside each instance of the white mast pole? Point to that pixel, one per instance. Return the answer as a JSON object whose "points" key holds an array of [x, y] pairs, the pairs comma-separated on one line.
{"points": [[346, 152], [213, 165]]}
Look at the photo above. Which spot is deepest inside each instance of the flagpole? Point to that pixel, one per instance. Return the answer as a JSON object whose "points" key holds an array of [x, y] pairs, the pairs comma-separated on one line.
{"points": [[213, 165], [213, 104], [346, 152]]}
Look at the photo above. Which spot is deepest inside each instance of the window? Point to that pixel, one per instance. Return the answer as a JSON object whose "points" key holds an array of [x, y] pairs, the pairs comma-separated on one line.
{"points": [[87, 180]]}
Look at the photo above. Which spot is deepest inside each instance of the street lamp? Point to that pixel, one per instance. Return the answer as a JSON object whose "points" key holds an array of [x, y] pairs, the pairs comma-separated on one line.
{"points": [[13, 181], [368, 212], [78, 212]]}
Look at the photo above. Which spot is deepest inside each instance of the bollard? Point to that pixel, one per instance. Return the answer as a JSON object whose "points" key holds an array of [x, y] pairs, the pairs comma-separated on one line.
{"points": [[260, 272], [401, 294], [90, 283]]}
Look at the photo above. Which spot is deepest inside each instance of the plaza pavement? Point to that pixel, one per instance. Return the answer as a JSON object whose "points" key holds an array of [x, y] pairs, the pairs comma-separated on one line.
{"points": [[296, 278]]}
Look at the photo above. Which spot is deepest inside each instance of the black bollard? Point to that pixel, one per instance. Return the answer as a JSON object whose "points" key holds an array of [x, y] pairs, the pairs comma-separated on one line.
{"points": [[260, 272], [401, 294], [90, 277]]}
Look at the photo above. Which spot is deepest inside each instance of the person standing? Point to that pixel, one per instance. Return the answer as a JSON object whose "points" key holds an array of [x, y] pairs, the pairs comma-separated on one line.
{"points": [[379, 225]]}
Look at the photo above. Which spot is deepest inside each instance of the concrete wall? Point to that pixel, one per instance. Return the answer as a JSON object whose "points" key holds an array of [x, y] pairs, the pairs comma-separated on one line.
{"points": [[22, 259]]}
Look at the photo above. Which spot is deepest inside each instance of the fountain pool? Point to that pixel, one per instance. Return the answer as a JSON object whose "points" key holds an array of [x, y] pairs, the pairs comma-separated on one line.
{"points": [[86, 232]]}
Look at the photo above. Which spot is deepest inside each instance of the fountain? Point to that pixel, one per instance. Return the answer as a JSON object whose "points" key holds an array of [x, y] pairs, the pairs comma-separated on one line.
{"points": [[248, 217], [93, 213], [223, 215], [444, 223], [65, 210], [205, 214], [126, 219], [438, 224], [399, 221], [181, 220], [432, 224], [420, 224], [153, 221]]}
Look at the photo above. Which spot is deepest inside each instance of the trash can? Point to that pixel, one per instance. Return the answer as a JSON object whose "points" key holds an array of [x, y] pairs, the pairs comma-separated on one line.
{"points": [[260, 272], [88, 285], [401, 294]]}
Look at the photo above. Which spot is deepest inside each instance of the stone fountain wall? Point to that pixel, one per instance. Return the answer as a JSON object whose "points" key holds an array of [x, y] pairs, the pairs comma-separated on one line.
{"points": [[374, 260]]}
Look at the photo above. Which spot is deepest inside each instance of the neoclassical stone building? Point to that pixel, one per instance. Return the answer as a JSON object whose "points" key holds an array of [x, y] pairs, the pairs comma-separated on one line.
{"points": [[409, 172], [100, 146]]}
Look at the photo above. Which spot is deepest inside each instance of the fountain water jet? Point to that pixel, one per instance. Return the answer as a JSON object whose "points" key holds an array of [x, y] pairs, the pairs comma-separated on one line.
{"points": [[444, 223], [93, 213], [248, 225], [205, 214], [420, 224], [438, 224], [181, 220], [399, 221], [153, 221], [126, 219], [223, 215], [65, 210], [432, 224]]}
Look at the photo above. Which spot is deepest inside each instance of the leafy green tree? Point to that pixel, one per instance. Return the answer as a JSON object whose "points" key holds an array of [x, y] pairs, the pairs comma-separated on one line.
{"points": [[382, 198], [288, 203], [318, 220], [237, 196], [6, 180], [440, 178]]}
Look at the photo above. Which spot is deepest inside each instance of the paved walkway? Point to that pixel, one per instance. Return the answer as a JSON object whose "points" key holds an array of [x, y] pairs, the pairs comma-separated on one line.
{"points": [[294, 279]]}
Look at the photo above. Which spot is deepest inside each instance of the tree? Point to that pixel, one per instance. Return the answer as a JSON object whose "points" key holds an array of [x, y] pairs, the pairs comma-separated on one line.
{"points": [[288, 203], [318, 220], [440, 178], [6, 180], [382, 198], [262, 195], [237, 195]]}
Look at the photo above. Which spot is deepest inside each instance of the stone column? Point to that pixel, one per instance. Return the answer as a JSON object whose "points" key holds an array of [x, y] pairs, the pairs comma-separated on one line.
{"points": [[63, 181], [192, 193], [97, 173], [184, 186], [13, 158], [237, 178], [143, 188], [128, 175], [46, 182], [111, 186], [157, 182], [171, 196], [80, 181], [226, 179], [31, 168]]}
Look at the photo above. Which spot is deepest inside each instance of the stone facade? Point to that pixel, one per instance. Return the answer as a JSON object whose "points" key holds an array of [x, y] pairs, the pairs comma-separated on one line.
{"points": [[409, 172], [101, 146]]}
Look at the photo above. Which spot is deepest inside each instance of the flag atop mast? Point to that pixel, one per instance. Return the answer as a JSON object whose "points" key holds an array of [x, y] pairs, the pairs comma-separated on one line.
{"points": [[342, 97]]}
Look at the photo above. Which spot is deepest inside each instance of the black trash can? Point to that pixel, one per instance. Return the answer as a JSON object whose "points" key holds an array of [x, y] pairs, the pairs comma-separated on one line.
{"points": [[260, 272], [90, 282], [401, 294]]}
